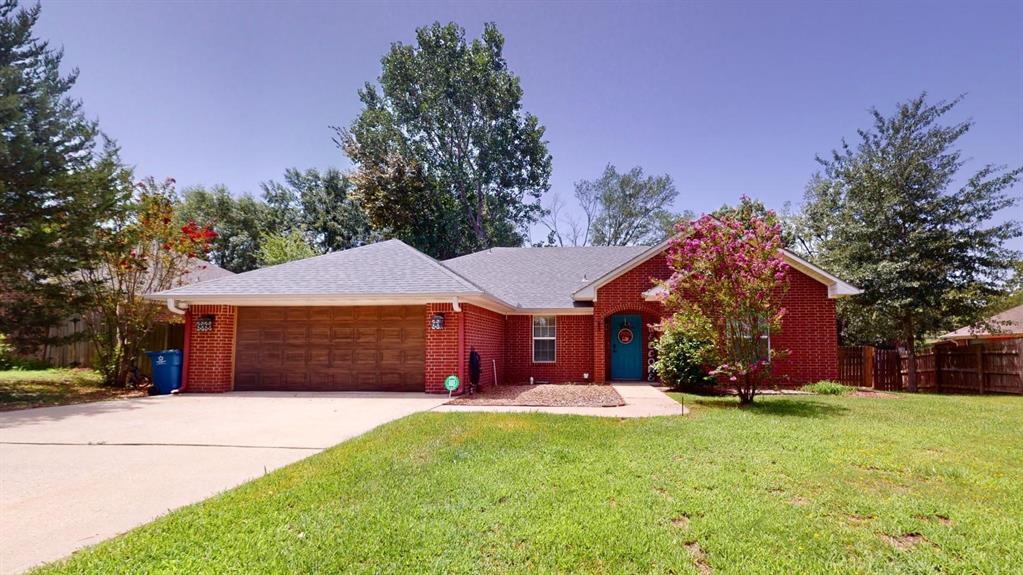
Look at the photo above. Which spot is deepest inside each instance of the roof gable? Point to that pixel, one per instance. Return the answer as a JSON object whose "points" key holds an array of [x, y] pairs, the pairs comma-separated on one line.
{"points": [[836, 287]]}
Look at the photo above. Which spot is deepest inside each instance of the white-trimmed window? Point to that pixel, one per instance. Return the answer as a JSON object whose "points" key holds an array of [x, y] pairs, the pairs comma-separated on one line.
{"points": [[545, 338]]}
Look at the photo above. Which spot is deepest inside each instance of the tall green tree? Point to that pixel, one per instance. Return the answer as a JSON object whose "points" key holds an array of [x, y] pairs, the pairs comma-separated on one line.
{"points": [[618, 209], [446, 158], [888, 215], [278, 248], [239, 223], [57, 182], [321, 204]]}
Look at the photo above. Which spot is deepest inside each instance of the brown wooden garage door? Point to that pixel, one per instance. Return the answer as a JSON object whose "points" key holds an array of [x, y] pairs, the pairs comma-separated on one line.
{"points": [[331, 348]]}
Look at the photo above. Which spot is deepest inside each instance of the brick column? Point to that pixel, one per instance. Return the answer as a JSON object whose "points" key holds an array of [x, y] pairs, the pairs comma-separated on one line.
{"points": [[441, 347], [210, 354]]}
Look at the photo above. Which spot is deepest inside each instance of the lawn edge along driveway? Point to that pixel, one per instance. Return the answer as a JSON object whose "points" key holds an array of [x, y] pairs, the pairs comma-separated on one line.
{"points": [[75, 475]]}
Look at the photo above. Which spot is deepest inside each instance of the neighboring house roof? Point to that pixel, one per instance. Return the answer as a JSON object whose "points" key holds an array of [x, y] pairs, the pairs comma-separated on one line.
{"points": [[201, 271], [540, 278], [1006, 324], [836, 287], [385, 270]]}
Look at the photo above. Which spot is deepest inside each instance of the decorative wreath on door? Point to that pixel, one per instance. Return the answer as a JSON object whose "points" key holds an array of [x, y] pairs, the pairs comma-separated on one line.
{"points": [[625, 336]]}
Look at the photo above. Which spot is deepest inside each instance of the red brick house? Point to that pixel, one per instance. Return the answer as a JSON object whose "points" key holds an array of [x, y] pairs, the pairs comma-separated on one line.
{"points": [[387, 317]]}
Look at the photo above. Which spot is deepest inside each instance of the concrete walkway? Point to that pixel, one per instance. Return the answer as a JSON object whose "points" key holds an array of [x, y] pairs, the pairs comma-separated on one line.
{"points": [[641, 400], [75, 475]]}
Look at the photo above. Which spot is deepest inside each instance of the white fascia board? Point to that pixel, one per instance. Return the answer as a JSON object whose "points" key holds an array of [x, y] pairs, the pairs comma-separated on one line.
{"points": [[553, 311], [324, 299], [836, 287]]}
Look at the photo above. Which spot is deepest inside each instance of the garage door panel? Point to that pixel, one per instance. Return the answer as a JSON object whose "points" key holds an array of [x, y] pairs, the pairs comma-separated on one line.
{"points": [[342, 357], [270, 380], [319, 335], [294, 360], [367, 380], [343, 334], [247, 357], [367, 314], [272, 335], [268, 314], [320, 314], [416, 358], [269, 357], [331, 348], [392, 314], [391, 335], [319, 357], [343, 314], [365, 358], [391, 357]]}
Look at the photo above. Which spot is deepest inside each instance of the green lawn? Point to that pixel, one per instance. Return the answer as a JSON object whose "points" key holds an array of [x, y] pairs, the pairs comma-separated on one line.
{"points": [[914, 484], [20, 389]]}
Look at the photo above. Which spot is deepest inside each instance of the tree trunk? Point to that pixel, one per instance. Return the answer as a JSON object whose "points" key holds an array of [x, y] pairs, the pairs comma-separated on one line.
{"points": [[746, 391], [911, 381]]}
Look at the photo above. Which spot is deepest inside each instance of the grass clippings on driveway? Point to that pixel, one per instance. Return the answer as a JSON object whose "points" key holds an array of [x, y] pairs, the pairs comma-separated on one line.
{"points": [[795, 484], [22, 389], [545, 395]]}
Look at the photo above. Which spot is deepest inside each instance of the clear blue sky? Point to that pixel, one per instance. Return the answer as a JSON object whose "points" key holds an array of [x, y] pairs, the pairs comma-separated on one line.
{"points": [[728, 98]]}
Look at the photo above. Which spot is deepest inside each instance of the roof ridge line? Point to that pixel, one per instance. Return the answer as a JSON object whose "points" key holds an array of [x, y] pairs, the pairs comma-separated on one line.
{"points": [[236, 274]]}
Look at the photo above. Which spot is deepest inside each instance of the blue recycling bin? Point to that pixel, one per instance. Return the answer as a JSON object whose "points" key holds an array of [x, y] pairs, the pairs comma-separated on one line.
{"points": [[166, 369]]}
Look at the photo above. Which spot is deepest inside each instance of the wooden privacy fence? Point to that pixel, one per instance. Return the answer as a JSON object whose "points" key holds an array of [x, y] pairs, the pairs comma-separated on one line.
{"points": [[989, 367], [82, 353]]}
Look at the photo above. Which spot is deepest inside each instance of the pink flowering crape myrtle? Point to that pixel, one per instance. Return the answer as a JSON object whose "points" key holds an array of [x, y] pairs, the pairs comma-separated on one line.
{"points": [[729, 270]]}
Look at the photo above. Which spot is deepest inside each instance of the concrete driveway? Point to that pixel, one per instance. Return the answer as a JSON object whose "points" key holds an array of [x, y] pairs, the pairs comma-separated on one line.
{"points": [[73, 476]]}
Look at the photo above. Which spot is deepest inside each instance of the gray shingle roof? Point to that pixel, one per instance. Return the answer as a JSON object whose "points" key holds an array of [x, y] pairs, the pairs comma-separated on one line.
{"points": [[201, 271], [539, 278], [1009, 322], [384, 268]]}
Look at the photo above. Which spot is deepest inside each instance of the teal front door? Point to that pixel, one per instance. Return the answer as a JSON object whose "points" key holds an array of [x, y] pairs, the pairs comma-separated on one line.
{"points": [[626, 347]]}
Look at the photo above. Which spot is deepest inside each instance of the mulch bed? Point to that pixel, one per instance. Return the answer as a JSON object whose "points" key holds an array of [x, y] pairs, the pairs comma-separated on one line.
{"points": [[545, 395]]}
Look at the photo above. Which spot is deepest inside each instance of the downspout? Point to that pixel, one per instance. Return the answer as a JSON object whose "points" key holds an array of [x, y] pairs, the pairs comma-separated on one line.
{"points": [[182, 310], [173, 307]]}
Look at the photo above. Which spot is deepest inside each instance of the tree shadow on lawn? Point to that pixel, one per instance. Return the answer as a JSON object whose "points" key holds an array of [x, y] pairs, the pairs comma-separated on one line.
{"points": [[774, 406]]}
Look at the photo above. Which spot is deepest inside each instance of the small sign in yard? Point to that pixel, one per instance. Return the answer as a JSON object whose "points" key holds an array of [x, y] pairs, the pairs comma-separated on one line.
{"points": [[451, 384]]}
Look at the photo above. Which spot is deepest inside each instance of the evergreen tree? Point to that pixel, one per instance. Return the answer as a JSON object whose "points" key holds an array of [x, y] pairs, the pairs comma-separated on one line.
{"points": [[56, 182], [886, 216]]}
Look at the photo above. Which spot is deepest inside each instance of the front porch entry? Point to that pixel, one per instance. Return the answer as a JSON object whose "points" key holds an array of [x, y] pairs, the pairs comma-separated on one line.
{"points": [[626, 347]]}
